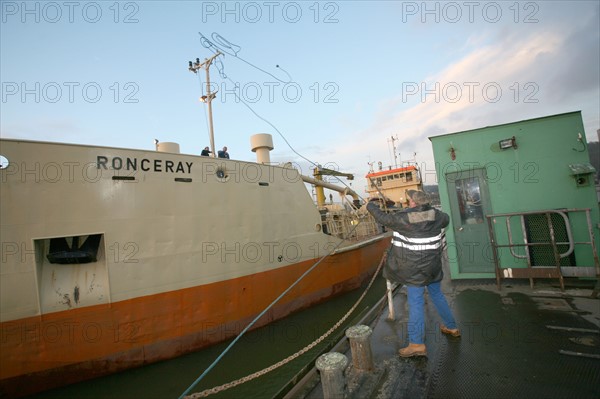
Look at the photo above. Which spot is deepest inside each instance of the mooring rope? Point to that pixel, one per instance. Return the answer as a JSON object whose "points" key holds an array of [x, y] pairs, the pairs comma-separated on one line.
{"points": [[265, 310], [283, 362]]}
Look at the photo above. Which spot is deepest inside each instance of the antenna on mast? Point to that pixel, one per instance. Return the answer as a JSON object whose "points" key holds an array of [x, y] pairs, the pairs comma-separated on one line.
{"points": [[194, 67], [394, 139]]}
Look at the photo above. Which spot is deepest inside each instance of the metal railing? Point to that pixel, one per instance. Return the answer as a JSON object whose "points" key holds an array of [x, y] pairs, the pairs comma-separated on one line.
{"points": [[550, 245], [349, 225]]}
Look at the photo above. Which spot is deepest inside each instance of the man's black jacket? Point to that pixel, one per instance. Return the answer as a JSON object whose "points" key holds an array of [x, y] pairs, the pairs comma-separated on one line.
{"points": [[415, 257]]}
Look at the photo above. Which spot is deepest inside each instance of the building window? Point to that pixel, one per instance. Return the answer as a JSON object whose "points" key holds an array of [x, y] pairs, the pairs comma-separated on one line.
{"points": [[469, 200]]}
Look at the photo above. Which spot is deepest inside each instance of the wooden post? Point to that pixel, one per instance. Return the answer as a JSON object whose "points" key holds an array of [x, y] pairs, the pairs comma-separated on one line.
{"points": [[331, 366], [360, 345]]}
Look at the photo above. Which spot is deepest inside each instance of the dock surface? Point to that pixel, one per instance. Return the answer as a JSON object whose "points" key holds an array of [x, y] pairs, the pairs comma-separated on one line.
{"points": [[516, 342]]}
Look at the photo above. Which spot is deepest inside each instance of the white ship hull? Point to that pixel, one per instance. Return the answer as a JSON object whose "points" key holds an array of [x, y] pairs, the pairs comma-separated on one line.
{"points": [[114, 258]]}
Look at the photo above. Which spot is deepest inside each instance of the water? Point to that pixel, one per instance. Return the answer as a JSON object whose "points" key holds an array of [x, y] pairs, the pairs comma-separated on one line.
{"points": [[256, 350]]}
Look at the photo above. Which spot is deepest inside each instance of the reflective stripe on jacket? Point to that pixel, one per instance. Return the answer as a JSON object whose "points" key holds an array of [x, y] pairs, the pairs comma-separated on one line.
{"points": [[415, 257]]}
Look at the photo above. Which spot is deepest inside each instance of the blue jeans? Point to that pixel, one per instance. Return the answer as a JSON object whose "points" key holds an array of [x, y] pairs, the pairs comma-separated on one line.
{"points": [[416, 311]]}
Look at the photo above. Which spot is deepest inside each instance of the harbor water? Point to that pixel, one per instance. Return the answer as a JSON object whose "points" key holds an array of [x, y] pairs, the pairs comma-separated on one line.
{"points": [[255, 351]]}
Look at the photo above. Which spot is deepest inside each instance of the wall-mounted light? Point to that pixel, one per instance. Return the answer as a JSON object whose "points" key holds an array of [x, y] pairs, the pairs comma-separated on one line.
{"points": [[508, 143], [452, 152], [581, 142]]}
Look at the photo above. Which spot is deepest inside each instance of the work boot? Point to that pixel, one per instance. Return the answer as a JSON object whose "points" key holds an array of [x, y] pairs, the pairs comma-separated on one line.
{"points": [[413, 350], [453, 332]]}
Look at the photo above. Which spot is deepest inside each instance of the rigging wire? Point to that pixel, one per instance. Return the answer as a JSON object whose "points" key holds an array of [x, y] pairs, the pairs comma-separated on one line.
{"points": [[273, 127], [268, 73], [316, 165], [209, 46], [286, 72], [233, 50], [229, 48]]}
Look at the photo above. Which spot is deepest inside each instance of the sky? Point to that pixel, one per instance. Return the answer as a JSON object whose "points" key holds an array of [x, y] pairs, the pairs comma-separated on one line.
{"points": [[332, 81]]}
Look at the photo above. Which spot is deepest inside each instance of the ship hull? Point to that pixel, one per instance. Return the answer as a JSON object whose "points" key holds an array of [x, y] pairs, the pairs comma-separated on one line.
{"points": [[114, 258], [40, 353]]}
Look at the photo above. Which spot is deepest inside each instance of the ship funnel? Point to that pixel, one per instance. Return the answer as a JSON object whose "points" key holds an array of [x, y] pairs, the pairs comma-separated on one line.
{"points": [[261, 144], [167, 147]]}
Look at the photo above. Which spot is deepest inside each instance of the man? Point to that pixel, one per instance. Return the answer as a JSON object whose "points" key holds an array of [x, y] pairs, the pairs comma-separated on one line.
{"points": [[205, 152], [415, 260], [223, 153]]}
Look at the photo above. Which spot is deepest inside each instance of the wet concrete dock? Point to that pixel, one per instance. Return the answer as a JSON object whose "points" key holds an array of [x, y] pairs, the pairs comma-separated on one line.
{"points": [[516, 342]]}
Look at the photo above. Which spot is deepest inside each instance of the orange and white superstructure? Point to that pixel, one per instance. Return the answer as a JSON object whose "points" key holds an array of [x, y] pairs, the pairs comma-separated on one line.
{"points": [[394, 182]]}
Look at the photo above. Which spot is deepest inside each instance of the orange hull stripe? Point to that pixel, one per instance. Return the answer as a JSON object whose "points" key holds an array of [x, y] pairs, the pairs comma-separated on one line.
{"points": [[183, 320]]}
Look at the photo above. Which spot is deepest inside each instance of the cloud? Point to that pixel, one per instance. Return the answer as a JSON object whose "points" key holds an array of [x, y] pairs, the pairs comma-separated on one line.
{"points": [[518, 76], [482, 80], [577, 68]]}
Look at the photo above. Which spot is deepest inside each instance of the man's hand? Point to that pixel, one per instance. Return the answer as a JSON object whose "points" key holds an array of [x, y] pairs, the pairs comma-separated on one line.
{"points": [[388, 202]]}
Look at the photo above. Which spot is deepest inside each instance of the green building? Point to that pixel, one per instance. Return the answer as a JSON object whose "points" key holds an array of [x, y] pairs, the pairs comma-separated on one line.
{"points": [[521, 199]]}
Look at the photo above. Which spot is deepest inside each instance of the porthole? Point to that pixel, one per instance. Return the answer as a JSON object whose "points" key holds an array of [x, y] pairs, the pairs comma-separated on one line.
{"points": [[221, 174], [3, 162]]}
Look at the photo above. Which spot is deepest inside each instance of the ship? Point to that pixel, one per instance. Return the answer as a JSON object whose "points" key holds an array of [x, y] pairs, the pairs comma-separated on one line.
{"points": [[114, 258], [394, 181]]}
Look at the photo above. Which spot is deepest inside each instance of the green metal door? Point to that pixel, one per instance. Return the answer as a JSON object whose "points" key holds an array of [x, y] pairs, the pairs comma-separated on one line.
{"points": [[469, 203]]}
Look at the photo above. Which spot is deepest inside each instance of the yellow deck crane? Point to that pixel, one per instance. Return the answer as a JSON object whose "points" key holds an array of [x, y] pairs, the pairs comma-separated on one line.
{"points": [[319, 172]]}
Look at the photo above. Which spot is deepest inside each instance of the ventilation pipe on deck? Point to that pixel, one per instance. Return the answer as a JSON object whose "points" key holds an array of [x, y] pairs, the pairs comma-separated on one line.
{"points": [[167, 147], [261, 144]]}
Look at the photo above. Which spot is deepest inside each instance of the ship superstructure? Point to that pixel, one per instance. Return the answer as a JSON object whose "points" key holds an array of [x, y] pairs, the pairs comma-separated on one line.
{"points": [[393, 183]]}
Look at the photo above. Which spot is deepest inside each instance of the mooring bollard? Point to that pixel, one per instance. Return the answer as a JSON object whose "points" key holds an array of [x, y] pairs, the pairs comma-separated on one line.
{"points": [[332, 365], [390, 290], [360, 345]]}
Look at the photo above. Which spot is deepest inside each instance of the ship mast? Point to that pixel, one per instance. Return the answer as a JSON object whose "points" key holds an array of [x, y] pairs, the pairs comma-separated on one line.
{"points": [[209, 96], [394, 139]]}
